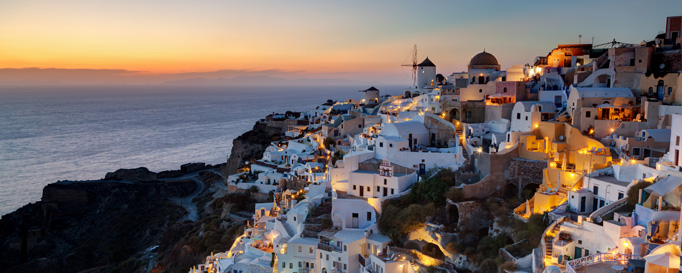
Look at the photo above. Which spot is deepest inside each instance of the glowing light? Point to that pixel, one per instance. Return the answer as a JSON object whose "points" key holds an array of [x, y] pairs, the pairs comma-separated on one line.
{"points": [[537, 125], [552, 164], [591, 131], [625, 244], [612, 130]]}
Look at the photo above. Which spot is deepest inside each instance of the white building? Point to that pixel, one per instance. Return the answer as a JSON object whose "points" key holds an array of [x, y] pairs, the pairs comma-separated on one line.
{"points": [[388, 179], [526, 115]]}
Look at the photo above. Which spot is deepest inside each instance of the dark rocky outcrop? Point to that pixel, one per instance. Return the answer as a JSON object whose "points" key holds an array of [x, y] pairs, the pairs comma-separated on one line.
{"points": [[251, 145], [141, 174], [89, 224]]}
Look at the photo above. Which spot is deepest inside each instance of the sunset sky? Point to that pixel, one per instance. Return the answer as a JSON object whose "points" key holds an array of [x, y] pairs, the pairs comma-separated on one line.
{"points": [[365, 40]]}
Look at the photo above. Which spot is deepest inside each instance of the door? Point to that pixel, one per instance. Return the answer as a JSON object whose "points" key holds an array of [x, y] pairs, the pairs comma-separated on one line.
{"points": [[355, 221], [659, 90], [595, 203], [385, 191], [362, 190], [582, 203], [578, 253]]}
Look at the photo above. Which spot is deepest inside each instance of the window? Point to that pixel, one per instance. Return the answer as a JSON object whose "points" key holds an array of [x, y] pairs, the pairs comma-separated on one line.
{"points": [[312, 265], [300, 249], [677, 140], [635, 151], [359, 125], [378, 188], [320, 255], [670, 90], [595, 190], [588, 114], [381, 144], [504, 90], [327, 257], [284, 265], [344, 266], [391, 191], [632, 62], [580, 242], [291, 265], [620, 195], [310, 250], [369, 216], [345, 248], [390, 145], [480, 90], [518, 115], [385, 181], [587, 252], [368, 189], [354, 187], [300, 264], [526, 117]]}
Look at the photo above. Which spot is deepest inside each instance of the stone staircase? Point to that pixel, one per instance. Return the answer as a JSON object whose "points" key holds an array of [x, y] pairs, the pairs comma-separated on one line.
{"points": [[548, 241]]}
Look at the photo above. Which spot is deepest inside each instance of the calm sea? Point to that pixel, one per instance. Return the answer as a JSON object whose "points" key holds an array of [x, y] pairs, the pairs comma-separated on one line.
{"points": [[81, 133]]}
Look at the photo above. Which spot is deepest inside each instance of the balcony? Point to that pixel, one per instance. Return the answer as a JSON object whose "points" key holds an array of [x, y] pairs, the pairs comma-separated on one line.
{"points": [[327, 247]]}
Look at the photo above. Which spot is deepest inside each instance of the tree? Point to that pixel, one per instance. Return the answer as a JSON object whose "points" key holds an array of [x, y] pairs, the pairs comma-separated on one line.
{"points": [[329, 142], [254, 189], [633, 193]]}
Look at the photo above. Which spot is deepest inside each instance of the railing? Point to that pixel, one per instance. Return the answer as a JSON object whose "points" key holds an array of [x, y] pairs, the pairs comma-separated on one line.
{"points": [[543, 241], [327, 247], [608, 209], [361, 259], [598, 258]]}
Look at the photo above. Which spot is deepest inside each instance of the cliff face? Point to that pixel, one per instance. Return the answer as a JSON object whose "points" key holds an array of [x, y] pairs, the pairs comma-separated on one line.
{"points": [[251, 145], [97, 225]]}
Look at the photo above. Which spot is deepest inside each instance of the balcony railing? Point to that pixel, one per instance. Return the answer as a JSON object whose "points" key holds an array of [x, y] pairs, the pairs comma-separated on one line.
{"points": [[597, 259], [327, 247]]}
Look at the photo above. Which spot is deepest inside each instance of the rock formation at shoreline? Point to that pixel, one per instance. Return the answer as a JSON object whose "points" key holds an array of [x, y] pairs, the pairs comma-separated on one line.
{"points": [[131, 221]]}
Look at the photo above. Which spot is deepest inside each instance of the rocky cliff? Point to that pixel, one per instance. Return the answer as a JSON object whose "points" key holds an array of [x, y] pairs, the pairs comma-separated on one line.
{"points": [[251, 145], [83, 225]]}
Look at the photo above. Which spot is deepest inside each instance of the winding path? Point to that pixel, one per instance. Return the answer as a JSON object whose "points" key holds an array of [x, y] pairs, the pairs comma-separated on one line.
{"points": [[186, 202]]}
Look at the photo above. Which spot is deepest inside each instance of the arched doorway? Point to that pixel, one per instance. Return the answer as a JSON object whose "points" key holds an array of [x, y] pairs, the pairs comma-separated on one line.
{"points": [[454, 114], [659, 90]]}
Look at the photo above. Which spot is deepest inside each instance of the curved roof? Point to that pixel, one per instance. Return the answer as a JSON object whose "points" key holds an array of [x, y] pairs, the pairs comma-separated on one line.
{"points": [[403, 129], [484, 58], [426, 62]]}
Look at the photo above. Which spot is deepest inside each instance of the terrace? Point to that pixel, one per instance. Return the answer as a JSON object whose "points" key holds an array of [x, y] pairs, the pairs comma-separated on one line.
{"points": [[603, 262]]}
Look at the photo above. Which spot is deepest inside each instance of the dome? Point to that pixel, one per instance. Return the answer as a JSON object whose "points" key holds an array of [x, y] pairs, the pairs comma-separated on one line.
{"points": [[552, 269], [483, 58]]}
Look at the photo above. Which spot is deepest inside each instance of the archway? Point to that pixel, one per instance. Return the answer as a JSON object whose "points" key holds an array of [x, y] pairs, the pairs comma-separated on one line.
{"points": [[453, 214], [508, 191], [407, 95], [454, 114], [659, 90], [529, 190], [603, 80], [433, 250]]}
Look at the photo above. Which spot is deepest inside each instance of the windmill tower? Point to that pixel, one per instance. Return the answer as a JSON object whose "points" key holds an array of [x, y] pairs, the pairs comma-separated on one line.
{"points": [[414, 66]]}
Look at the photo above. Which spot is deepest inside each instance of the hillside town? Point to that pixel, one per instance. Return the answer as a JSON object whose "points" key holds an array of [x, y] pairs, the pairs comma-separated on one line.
{"points": [[570, 163]]}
